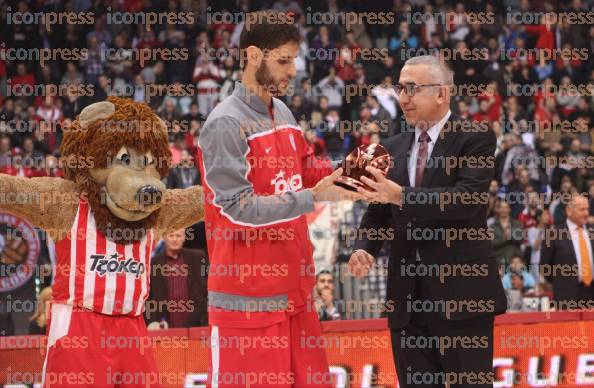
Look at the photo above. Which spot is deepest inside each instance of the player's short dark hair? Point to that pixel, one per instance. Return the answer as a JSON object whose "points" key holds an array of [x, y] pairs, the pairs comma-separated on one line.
{"points": [[268, 30], [323, 272]]}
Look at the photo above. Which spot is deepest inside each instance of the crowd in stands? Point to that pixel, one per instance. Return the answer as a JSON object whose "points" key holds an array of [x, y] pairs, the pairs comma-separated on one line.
{"points": [[525, 97]]}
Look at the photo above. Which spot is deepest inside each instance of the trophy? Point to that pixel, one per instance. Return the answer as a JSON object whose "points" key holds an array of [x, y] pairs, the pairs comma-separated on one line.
{"points": [[374, 155]]}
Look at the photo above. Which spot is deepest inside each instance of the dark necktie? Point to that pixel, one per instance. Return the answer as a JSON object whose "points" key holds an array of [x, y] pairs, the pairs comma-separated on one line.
{"points": [[421, 158]]}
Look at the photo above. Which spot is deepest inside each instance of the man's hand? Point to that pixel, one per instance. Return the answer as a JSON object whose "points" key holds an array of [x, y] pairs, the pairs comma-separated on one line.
{"points": [[327, 298], [326, 190], [360, 263], [386, 191]]}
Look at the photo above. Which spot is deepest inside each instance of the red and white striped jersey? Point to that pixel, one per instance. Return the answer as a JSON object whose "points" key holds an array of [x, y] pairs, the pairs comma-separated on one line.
{"points": [[97, 274]]}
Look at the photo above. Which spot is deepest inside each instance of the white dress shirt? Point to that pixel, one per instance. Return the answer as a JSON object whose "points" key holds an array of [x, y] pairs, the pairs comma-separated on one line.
{"points": [[433, 133], [576, 245]]}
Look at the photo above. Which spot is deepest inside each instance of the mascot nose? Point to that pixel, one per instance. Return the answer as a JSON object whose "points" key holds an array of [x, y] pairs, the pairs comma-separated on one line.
{"points": [[149, 195]]}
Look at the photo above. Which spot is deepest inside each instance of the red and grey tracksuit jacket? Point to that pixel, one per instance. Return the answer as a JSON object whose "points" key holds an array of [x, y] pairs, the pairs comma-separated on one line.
{"points": [[256, 168]]}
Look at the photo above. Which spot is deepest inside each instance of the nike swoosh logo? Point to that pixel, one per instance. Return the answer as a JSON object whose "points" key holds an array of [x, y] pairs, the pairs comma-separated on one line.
{"points": [[268, 149]]}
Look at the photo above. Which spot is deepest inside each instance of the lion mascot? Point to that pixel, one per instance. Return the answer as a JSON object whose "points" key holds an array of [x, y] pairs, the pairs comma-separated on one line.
{"points": [[105, 218]]}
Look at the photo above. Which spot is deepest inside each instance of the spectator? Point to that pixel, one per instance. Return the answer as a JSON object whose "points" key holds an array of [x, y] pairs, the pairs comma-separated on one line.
{"points": [[52, 167], [567, 98], [332, 87], [39, 319], [386, 95], [507, 235], [535, 236], [99, 33], [72, 76], [322, 46], [194, 114], [529, 216], [404, 39], [300, 112], [287, 6], [572, 249], [20, 80], [310, 98], [185, 174], [229, 75], [519, 154], [178, 279], [31, 158], [120, 64], [494, 102], [49, 111], [360, 82], [557, 207], [154, 74], [207, 77], [71, 104], [515, 293], [349, 53], [181, 102], [103, 89], [324, 297], [518, 189], [94, 61], [381, 116], [317, 144], [493, 201], [337, 141], [5, 151], [170, 111], [514, 114], [517, 267]]}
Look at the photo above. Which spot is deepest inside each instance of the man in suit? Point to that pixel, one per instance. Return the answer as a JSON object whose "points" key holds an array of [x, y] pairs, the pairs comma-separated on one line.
{"points": [[185, 174], [324, 297], [443, 290], [566, 260], [178, 286]]}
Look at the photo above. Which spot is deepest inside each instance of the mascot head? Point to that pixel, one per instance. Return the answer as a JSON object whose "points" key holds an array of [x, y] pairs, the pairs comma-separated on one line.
{"points": [[117, 152]]}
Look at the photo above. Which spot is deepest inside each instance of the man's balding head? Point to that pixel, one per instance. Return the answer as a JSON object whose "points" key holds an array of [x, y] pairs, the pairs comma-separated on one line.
{"points": [[578, 209]]}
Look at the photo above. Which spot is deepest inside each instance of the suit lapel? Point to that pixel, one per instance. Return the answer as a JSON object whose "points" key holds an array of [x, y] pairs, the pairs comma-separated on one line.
{"points": [[437, 159]]}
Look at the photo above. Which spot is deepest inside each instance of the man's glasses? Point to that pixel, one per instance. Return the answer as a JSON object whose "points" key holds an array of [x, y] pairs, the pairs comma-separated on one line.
{"points": [[411, 89]]}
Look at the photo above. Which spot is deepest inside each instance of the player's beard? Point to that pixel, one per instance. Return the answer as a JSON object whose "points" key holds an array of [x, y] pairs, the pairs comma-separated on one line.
{"points": [[266, 80]]}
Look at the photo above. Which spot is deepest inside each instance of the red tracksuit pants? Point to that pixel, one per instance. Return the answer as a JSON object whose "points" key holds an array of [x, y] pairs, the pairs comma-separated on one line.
{"points": [[285, 353]]}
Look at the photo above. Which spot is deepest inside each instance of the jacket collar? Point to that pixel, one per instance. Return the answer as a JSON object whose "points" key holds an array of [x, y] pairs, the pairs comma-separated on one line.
{"points": [[253, 101]]}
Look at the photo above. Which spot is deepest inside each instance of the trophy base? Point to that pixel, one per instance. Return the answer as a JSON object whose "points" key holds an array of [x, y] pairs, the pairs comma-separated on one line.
{"points": [[350, 184]]}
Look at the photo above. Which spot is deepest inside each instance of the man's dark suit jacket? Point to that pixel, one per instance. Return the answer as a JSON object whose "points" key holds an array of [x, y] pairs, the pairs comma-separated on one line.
{"points": [[559, 260], [418, 212], [197, 279], [175, 179]]}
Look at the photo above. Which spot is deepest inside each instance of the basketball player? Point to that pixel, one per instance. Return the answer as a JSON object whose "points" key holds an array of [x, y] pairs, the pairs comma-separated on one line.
{"points": [[259, 181]]}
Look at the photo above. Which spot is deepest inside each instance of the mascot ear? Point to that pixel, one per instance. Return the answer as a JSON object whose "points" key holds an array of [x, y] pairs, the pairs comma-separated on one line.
{"points": [[96, 111]]}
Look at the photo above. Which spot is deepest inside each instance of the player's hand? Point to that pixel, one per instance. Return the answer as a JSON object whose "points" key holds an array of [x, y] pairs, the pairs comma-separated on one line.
{"points": [[327, 297], [360, 263], [326, 190]]}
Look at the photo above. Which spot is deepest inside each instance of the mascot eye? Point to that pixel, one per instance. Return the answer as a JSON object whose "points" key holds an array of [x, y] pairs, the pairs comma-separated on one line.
{"points": [[148, 159], [123, 156]]}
